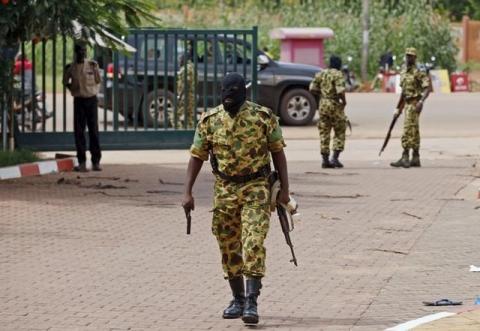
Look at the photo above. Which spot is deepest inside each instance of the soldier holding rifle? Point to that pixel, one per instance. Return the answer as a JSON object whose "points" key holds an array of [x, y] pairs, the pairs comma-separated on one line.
{"points": [[239, 136], [415, 90]]}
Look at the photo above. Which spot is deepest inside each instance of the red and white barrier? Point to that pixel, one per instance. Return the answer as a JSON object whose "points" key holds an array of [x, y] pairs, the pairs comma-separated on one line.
{"points": [[38, 168]]}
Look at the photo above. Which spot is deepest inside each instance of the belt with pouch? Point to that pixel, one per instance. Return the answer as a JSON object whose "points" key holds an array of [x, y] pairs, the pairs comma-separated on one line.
{"points": [[263, 172]]}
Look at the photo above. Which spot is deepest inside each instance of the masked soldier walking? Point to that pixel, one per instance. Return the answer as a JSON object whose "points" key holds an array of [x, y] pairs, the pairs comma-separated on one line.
{"points": [[239, 136], [329, 85], [415, 90]]}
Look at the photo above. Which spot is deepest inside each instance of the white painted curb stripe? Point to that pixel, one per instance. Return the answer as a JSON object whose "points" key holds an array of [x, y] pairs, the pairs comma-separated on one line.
{"points": [[47, 167], [10, 172], [419, 321]]}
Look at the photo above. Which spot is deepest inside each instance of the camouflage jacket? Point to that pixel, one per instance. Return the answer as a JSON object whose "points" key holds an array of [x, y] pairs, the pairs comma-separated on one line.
{"points": [[241, 144], [181, 80], [413, 81], [328, 83]]}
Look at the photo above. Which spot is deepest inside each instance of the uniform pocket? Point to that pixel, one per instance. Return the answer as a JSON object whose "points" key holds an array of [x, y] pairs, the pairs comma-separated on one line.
{"points": [[90, 78], [221, 144]]}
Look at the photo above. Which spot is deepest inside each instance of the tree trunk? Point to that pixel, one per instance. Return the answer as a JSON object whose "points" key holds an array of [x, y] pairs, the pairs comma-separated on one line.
{"points": [[365, 25], [7, 60]]}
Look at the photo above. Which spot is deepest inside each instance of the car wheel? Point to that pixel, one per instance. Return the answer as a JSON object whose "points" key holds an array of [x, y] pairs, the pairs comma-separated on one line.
{"points": [[298, 107], [157, 114]]}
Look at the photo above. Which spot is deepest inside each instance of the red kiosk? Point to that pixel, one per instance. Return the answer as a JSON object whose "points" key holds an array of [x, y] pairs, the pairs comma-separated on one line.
{"points": [[302, 45]]}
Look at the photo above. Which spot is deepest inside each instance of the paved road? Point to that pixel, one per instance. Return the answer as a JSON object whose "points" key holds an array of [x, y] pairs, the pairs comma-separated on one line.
{"points": [[445, 115], [109, 252]]}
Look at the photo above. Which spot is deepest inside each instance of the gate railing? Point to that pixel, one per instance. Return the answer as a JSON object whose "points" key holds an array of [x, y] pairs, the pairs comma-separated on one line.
{"points": [[140, 104]]}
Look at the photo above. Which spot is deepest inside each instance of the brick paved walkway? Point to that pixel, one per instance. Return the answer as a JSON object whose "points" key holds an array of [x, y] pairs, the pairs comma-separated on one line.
{"points": [[111, 253]]}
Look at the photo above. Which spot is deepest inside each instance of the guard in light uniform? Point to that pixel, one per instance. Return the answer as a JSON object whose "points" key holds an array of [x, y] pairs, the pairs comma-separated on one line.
{"points": [[329, 85], [415, 86], [83, 80], [239, 137]]}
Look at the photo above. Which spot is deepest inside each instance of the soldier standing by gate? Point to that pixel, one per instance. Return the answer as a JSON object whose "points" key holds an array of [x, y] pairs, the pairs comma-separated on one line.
{"points": [[415, 86], [330, 86], [239, 137], [82, 78], [186, 91]]}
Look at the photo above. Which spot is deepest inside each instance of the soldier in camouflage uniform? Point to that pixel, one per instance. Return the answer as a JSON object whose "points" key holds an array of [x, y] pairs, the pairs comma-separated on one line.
{"points": [[415, 86], [329, 84], [239, 137], [186, 93]]}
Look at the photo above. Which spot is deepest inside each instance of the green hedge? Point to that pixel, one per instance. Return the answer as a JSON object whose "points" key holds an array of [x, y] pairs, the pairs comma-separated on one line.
{"points": [[394, 25], [8, 158]]}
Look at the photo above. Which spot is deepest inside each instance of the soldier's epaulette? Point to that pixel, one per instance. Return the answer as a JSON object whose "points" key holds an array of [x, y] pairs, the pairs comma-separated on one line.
{"points": [[209, 113]]}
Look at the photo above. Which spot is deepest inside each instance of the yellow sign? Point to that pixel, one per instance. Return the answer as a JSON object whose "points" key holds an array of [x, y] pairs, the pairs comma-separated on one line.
{"points": [[440, 81]]}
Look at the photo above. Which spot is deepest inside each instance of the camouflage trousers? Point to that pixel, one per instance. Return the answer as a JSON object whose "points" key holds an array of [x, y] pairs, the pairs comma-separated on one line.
{"points": [[241, 219], [411, 128], [186, 112], [332, 116]]}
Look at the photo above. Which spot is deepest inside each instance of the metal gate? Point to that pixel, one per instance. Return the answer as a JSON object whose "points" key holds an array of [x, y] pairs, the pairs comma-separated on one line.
{"points": [[139, 101]]}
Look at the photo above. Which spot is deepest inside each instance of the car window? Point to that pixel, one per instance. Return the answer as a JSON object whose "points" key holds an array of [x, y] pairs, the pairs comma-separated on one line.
{"points": [[152, 53], [205, 52], [235, 52], [160, 51]]}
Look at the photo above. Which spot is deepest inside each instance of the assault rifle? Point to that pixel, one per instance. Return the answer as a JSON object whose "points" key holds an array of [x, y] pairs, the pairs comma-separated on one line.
{"points": [[286, 229], [285, 217], [392, 124]]}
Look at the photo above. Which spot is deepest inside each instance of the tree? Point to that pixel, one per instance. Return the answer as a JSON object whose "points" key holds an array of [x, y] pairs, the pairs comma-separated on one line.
{"points": [[365, 38], [457, 8], [25, 20]]}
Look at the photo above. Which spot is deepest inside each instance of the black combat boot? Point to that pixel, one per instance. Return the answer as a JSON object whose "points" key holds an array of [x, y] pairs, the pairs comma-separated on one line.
{"points": [[334, 161], [415, 162], [403, 162], [235, 309], [326, 163], [250, 314]]}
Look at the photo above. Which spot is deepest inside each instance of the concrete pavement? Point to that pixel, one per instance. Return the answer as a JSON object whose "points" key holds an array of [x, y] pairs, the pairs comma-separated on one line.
{"points": [[109, 251]]}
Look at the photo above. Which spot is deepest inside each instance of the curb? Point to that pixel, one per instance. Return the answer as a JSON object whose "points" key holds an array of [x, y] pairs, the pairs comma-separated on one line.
{"points": [[410, 325], [38, 168], [425, 320]]}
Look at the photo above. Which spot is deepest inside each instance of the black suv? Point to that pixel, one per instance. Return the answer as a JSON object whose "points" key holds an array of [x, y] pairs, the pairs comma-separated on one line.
{"points": [[283, 87]]}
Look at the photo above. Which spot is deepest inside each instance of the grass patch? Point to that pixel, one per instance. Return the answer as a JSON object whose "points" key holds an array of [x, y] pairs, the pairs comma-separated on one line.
{"points": [[9, 158]]}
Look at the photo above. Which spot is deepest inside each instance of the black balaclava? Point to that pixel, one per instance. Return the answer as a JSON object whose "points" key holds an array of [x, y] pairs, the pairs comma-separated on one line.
{"points": [[234, 93], [335, 62], [411, 60]]}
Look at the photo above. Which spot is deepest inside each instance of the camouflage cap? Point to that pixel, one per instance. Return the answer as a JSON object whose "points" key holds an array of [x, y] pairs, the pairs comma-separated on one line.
{"points": [[411, 51]]}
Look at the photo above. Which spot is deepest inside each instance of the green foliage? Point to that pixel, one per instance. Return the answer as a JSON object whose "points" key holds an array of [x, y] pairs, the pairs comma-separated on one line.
{"points": [[394, 25], [456, 9], [414, 24], [28, 19], [10, 158], [469, 66]]}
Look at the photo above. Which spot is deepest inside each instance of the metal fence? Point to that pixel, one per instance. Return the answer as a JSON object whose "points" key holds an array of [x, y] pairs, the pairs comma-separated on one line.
{"points": [[139, 100]]}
